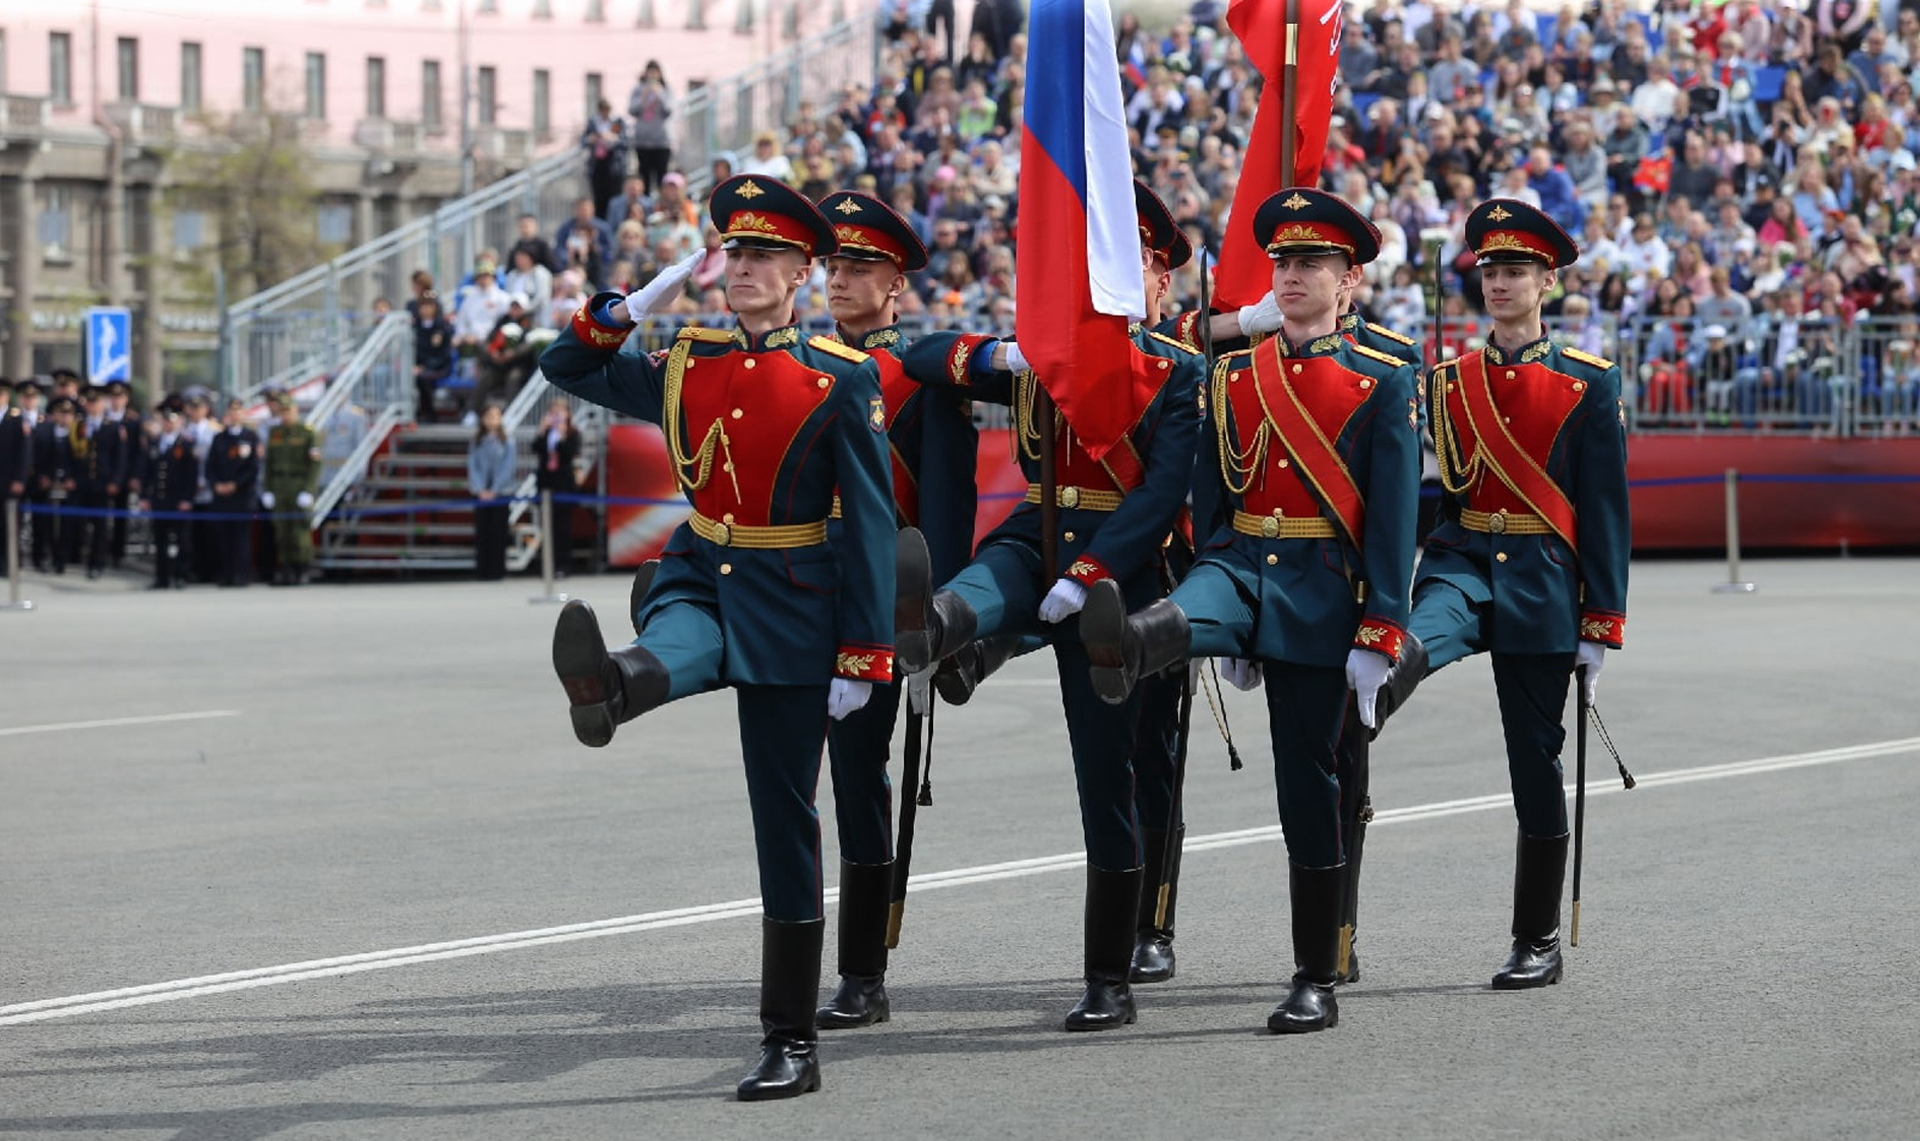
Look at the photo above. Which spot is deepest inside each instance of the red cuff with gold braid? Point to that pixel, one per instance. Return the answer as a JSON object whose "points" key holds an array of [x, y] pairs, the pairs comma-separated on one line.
{"points": [[592, 333], [864, 663], [960, 357], [1380, 636], [1607, 627], [1087, 570]]}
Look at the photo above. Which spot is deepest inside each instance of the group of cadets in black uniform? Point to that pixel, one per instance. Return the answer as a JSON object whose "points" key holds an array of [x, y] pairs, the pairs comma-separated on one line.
{"points": [[812, 462], [80, 460]]}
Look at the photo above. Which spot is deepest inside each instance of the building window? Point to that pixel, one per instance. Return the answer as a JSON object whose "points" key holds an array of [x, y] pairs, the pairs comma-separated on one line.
{"points": [[543, 9], [190, 78], [253, 79], [484, 92], [743, 16], [60, 68], [596, 11], [430, 94], [335, 223], [697, 13], [594, 93], [487, 7], [189, 230], [376, 87], [3, 60], [127, 51], [316, 85], [645, 17], [56, 223], [542, 104]]}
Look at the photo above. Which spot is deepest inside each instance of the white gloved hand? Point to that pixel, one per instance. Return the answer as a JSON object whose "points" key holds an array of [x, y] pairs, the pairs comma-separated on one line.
{"points": [[1016, 360], [1591, 655], [1063, 601], [1366, 673], [844, 695], [266, 500], [1263, 316], [303, 500], [665, 286], [1241, 673]]}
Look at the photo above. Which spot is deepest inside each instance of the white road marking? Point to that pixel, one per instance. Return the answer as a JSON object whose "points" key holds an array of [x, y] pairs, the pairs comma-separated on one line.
{"points": [[112, 722], [1602, 785]]}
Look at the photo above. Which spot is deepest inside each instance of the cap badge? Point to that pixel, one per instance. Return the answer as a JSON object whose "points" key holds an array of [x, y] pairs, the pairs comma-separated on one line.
{"points": [[749, 190], [1296, 202], [1499, 214], [848, 206]]}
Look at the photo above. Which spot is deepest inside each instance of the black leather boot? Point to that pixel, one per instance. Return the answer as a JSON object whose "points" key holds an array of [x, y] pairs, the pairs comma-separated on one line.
{"points": [[789, 986], [1121, 647], [1539, 869], [1316, 894], [961, 672], [1113, 905], [865, 891], [927, 625], [1403, 677], [1153, 943], [606, 689]]}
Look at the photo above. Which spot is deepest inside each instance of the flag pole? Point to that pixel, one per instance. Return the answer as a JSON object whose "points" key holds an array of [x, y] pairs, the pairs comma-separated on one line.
{"points": [[1290, 95], [1043, 415]]}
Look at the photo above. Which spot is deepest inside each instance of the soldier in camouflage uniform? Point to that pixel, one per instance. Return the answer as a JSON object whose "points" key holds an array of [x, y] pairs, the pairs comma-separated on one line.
{"points": [[293, 476]]}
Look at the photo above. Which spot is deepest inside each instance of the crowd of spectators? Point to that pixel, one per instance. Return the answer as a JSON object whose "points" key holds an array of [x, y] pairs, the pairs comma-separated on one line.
{"points": [[1747, 167]]}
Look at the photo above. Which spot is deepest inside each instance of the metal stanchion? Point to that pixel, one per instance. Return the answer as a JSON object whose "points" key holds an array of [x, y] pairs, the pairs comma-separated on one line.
{"points": [[14, 601], [546, 552], [1734, 584]]}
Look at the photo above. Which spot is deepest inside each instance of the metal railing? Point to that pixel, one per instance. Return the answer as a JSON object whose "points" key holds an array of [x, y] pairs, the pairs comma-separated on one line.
{"points": [[378, 379]]}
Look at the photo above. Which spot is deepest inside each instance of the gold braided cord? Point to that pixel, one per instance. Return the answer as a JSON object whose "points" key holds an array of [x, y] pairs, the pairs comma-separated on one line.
{"points": [[1025, 436], [1243, 464], [702, 459], [1457, 476]]}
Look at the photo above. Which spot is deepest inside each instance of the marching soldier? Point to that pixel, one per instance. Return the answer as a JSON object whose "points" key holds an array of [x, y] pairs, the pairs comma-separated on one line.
{"points": [[232, 472], [53, 483], [1529, 560], [99, 474], [933, 445], [1116, 515], [1307, 583], [764, 425], [293, 475], [173, 472]]}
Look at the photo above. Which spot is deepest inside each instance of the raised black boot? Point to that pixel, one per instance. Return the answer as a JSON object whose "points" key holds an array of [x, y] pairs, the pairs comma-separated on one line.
{"points": [[961, 672], [1316, 894], [1539, 869], [1153, 941], [606, 689], [1113, 905], [927, 626], [865, 890], [1122, 647], [789, 986], [1403, 677]]}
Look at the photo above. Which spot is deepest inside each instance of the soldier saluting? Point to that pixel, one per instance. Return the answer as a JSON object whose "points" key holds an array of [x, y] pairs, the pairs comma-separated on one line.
{"points": [[1306, 582], [932, 445], [1529, 559], [763, 426]]}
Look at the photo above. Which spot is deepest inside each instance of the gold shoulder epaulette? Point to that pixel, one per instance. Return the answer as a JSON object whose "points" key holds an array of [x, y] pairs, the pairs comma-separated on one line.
{"points": [[699, 333], [1376, 354], [834, 348], [1586, 358], [1174, 341], [1383, 331]]}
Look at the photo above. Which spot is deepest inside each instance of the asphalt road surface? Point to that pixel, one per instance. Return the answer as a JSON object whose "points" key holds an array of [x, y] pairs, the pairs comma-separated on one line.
{"points": [[327, 863]]}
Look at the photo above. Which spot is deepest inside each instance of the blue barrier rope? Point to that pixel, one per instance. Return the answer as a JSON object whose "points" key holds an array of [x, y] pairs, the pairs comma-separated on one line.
{"points": [[374, 510]]}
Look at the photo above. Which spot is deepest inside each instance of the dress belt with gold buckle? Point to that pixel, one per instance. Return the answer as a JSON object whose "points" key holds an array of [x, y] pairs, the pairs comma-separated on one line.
{"points": [[1080, 498], [1281, 527], [1504, 522], [777, 538]]}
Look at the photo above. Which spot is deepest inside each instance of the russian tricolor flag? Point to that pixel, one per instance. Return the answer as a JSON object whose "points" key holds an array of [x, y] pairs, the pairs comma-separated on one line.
{"points": [[1078, 247]]}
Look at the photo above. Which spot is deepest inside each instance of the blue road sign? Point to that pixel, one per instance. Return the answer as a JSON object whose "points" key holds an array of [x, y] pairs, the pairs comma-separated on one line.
{"points": [[109, 344]]}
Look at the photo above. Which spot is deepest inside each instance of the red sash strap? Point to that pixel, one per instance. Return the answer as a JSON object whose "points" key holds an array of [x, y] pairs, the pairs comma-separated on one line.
{"points": [[1127, 471], [1509, 461], [1325, 472]]}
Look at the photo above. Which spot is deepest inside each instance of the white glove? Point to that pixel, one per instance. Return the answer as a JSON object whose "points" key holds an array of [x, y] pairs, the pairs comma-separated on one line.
{"points": [[1063, 601], [1263, 316], [844, 695], [1016, 360], [1241, 673], [303, 500], [665, 286], [1591, 655], [266, 500], [1366, 673]]}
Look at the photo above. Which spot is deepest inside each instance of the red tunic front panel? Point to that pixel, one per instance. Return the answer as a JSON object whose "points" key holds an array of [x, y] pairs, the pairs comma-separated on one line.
{"points": [[1533, 402], [747, 408], [1330, 393], [896, 389]]}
